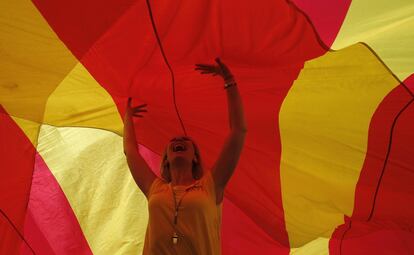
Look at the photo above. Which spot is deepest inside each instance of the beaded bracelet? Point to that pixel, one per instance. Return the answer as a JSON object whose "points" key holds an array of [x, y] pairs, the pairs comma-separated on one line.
{"points": [[229, 82]]}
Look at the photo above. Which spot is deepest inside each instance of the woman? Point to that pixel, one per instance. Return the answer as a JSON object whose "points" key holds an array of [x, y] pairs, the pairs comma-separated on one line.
{"points": [[185, 204]]}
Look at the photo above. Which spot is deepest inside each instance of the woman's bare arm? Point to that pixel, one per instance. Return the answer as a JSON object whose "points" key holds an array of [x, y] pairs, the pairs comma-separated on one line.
{"points": [[226, 163], [140, 170]]}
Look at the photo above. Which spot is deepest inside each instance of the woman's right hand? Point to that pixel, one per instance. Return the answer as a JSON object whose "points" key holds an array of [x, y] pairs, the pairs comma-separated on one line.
{"points": [[139, 168], [135, 111]]}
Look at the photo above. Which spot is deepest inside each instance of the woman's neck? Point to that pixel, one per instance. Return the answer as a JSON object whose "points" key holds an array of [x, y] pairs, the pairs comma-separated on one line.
{"points": [[181, 176]]}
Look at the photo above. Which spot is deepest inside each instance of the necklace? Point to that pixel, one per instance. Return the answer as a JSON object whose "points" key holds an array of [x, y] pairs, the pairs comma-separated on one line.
{"points": [[176, 207]]}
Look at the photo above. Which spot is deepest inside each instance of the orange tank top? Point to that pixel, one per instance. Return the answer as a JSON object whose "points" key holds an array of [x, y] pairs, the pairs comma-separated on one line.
{"points": [[197, 223]]}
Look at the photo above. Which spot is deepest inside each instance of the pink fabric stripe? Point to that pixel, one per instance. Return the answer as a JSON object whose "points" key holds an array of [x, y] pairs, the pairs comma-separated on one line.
{"points": [[153, 160], [327, 16], [51, 226]]}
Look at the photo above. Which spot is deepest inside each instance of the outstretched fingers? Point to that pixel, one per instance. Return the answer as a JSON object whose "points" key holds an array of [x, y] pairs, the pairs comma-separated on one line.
{"points": [[207, 69], [204, 66], [136, 110], [207, 72], [211, 70], [139, 108]]}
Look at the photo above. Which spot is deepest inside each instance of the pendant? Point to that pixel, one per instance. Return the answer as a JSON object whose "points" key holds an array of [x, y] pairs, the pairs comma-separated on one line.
{"points": [[175, 238]]}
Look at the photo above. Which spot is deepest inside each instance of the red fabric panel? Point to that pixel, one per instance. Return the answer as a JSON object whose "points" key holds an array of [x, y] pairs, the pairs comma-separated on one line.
{"points": [[327, 16], [81, 21], [386, 225], [409, 82], [255, 186], [373, 237], [241, 235], [265, 44], [10, 240], [17, 154], [51, 226], [396, 191], [378, 142]]}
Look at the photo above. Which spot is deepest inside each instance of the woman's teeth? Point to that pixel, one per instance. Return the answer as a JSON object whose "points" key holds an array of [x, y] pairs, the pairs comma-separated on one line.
{"points": [[179, 147]]}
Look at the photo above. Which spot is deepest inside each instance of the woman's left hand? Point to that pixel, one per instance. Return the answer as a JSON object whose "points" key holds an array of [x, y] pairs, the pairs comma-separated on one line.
{"points": [[219, 69]]}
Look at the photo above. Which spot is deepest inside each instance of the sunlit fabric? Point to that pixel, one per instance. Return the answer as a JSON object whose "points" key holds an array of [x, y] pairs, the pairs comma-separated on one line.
{"points": [[327, 89]]}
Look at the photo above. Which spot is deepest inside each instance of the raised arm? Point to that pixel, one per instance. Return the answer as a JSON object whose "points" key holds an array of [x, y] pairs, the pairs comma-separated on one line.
{"points": [[226, 163], [141, 172]]}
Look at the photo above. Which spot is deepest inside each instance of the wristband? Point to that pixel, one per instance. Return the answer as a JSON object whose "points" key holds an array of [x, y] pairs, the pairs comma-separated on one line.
{"points": [[229, 84]]}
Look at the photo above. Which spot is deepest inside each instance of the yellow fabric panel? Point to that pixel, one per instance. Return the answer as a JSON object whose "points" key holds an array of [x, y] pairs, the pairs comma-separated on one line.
{"points": [[80, 101], [29, 128], [33, 60], [318, 246], [324, 123], [91, 168], [387, 27]]}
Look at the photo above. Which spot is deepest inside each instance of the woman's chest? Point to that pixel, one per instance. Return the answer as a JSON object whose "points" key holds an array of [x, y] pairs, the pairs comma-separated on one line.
{"points": [[196, 201]]}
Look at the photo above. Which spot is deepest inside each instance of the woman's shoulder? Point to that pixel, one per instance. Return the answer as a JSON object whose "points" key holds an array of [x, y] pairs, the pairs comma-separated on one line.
{"points": [[208, 177], [156, 185], [207, 181]]}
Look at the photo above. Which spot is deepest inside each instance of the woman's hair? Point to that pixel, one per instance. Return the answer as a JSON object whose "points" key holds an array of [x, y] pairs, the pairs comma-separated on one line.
{"points": [[197, 167]]}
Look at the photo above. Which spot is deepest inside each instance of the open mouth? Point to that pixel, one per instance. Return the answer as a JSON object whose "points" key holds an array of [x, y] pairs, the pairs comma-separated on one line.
{"points": [[179, 147]]}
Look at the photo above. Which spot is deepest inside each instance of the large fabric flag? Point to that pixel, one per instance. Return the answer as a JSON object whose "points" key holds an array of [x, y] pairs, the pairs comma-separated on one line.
{"points": [[328, 91]]}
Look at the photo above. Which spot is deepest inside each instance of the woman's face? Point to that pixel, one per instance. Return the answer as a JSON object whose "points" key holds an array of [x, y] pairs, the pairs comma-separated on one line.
{"points": [[180, 147]]}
